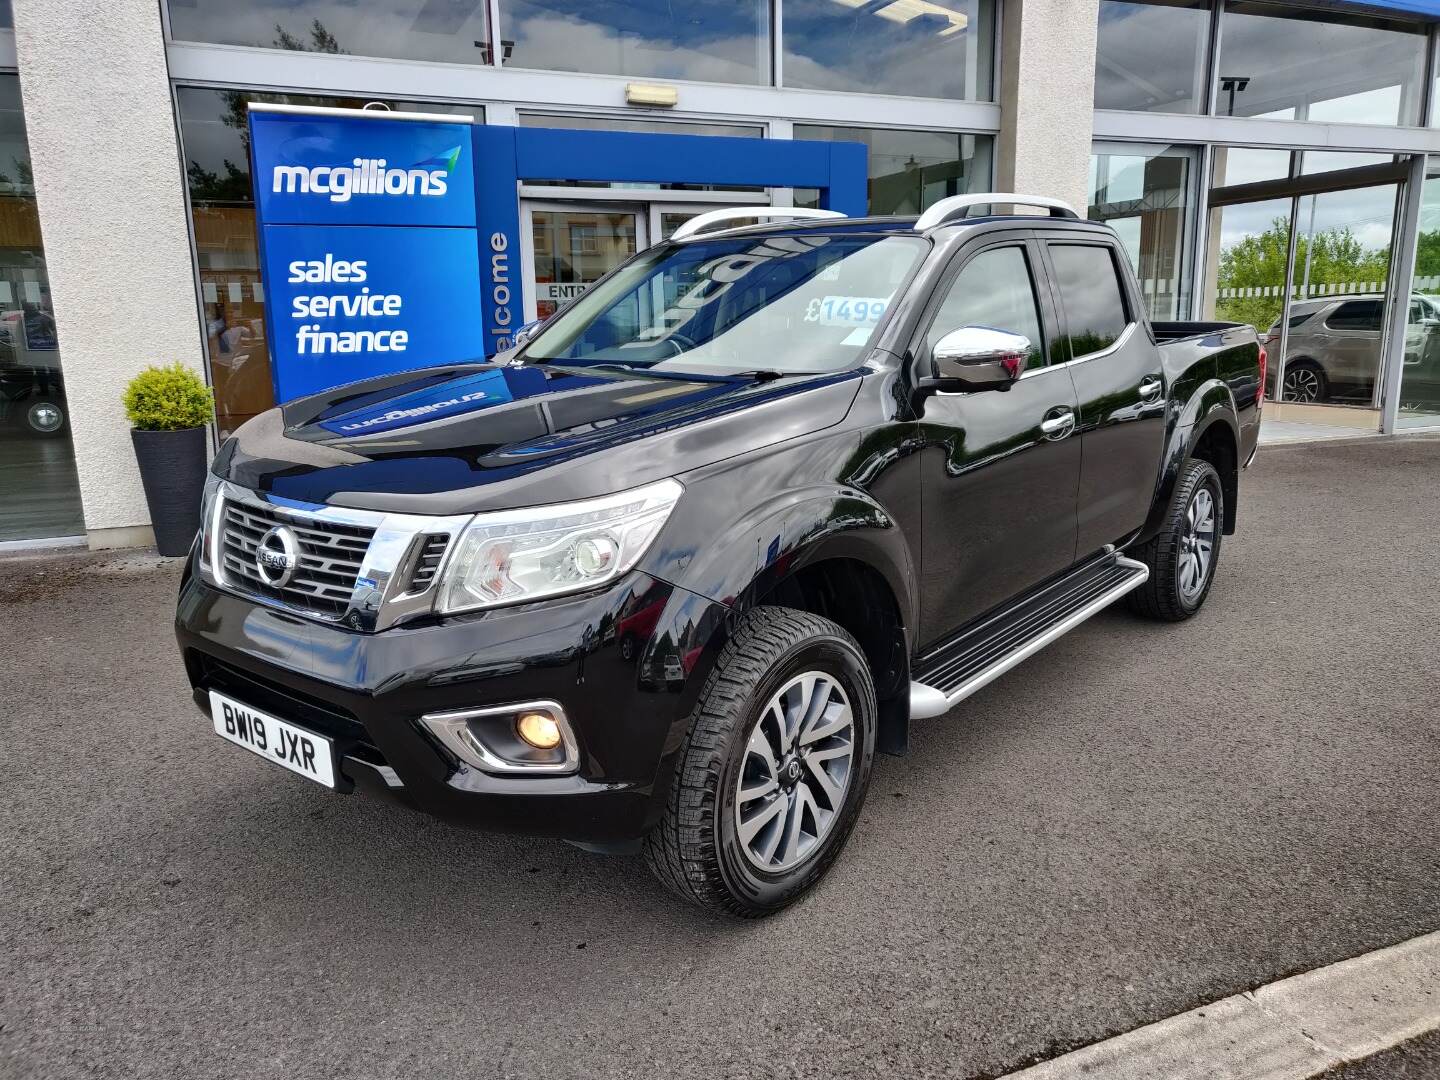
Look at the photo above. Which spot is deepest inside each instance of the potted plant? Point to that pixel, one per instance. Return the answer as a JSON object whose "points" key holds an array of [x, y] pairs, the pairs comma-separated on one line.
{"points": [[168, 409]]}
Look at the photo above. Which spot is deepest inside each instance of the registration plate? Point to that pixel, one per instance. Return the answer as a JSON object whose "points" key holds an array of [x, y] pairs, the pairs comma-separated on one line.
{"points": [[278, 742]]}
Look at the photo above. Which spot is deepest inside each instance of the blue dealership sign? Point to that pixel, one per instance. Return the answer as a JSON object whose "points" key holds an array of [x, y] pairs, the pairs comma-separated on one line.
{"points": [[391, 241], [367, 237]]}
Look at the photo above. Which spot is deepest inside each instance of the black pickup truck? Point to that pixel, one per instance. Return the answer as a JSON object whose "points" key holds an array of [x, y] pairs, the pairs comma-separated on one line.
{"points": [[671, 572]]}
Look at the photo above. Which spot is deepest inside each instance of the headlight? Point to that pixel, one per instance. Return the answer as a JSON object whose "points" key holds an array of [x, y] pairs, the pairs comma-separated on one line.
{"points": [[211, 506], [516, 556]]}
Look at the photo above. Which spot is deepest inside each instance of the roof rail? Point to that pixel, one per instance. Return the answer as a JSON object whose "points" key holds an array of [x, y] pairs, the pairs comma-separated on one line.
{"points": [[690, 229], [958, 206]]}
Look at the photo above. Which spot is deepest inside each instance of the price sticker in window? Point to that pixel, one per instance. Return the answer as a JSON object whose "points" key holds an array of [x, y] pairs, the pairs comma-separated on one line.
{"points": [[846, 310]]}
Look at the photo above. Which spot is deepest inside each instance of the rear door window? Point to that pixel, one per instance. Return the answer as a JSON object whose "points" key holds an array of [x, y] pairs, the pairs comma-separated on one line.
{"points": [[1357, 315], [1090, 296]]}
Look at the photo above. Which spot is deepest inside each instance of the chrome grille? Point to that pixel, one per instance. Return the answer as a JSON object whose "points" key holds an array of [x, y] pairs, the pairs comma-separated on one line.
{"points": [[330, 557]]}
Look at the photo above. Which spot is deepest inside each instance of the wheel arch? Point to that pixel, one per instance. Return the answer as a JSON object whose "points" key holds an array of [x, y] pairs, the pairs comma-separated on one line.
{"points": [[1208, 427], [833, 551]]}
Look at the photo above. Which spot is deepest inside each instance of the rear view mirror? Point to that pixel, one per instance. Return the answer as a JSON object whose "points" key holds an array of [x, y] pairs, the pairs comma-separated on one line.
{"points": [[980, 358]]}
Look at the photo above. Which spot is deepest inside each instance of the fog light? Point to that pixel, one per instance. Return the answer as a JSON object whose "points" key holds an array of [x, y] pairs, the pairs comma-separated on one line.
{"points": [[539, 730]]}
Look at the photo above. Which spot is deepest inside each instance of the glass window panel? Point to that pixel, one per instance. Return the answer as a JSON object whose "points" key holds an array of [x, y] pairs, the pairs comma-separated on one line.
{"points": [[575, 248], [1318, 161], [1247, 165], [1094, 306], [724, 43], [1150, 56], [1248, 247], [1341, 277], [993, 289], [1420, 376], [1319, 65], [921, 48], [215, 141], [454, 31], [1144, 193], [37, 462], [7, 15], [910, 170]]}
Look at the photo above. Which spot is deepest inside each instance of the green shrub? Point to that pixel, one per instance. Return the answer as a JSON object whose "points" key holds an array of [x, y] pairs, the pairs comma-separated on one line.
{"points": [[168, 398]]}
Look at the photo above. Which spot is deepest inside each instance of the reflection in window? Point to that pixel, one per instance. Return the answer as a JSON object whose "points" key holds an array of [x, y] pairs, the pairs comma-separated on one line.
{"points": [[1248, 165], [1144, 193], [1319, 65], [1318, 161], [37, 464], [910, 170], [725, 43], [1150, 56], [993, 289], [921, 48], [216, 145], [454, 31], [1094, 307]]}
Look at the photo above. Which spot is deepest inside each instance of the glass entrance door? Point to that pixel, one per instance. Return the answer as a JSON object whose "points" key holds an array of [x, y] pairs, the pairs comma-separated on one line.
{"points": [[569, 247], [1304, 256]]}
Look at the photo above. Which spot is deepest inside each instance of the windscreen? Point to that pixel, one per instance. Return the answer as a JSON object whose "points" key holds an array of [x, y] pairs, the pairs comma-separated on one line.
{"points": [[792, 304]]}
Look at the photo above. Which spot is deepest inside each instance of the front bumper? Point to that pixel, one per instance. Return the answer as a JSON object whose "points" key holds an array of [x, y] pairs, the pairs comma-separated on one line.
{"points": [[625, 663]]}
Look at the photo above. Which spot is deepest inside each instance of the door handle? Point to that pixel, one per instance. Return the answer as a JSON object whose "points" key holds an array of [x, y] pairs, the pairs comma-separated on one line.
{"points": [[1150, 386], [1058, 425]]}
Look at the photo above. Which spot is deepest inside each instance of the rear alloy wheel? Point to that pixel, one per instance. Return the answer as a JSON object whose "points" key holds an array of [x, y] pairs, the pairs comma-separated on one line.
{"points": [[1197, 545], [1182, 556], [773, 771], [1304, 382]]}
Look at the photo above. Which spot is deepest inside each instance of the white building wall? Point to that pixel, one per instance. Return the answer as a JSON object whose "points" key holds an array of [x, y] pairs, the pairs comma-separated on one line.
{"points": [[109, 189], [1047, 96]]}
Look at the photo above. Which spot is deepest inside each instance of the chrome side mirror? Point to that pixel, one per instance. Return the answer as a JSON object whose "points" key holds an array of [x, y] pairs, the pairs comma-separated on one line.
{"points": [[525, 333], [980, 358]]}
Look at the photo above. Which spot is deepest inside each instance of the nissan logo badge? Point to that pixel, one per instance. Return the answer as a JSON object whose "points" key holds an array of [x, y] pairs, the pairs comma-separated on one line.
{"points": [[277, 556]]}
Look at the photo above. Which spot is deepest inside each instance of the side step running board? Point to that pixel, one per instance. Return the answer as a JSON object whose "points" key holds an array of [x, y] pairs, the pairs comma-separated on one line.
{"points": [[960, 668]]}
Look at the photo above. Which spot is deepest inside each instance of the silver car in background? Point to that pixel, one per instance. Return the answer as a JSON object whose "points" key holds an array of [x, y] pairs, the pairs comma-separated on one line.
{"points": [[1334, 347]]}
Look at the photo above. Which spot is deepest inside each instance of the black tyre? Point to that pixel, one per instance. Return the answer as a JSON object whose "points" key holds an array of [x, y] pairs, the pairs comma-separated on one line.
{"points": [[1183, 555], [44, 416], [1305, 381], [774, 769]]}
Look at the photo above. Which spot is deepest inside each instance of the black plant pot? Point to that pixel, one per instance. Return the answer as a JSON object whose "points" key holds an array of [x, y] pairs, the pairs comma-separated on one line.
{"points": [[172, 468]]}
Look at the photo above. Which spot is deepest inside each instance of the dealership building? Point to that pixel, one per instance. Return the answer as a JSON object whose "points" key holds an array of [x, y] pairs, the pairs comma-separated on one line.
{"points": [[1263, 162]]}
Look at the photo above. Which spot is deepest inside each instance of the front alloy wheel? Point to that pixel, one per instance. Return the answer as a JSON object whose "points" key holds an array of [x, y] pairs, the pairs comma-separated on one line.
{"points": [[773, 769], [796, 771]]}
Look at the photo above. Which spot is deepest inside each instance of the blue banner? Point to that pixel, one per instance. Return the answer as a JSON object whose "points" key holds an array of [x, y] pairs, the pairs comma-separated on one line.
{"points": [[368, 246]]}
